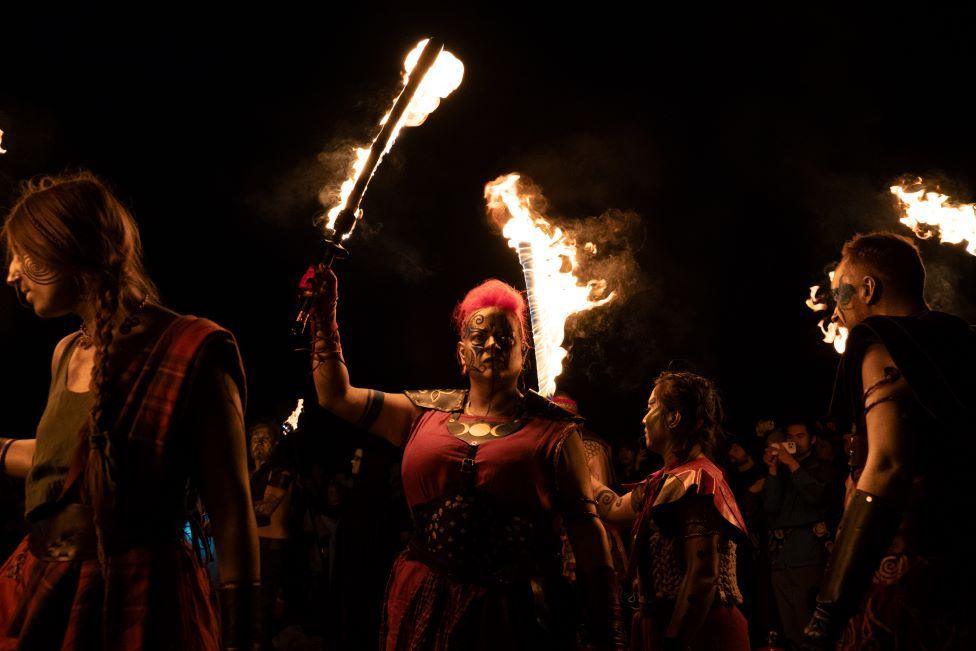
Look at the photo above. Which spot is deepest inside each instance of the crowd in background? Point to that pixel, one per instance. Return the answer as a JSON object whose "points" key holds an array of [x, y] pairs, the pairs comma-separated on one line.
{"points": [[788, 478], [338, 519]]}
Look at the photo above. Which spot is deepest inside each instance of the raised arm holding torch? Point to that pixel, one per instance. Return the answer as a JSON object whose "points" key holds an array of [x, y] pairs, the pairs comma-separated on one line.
{"points": [[430, 73]]}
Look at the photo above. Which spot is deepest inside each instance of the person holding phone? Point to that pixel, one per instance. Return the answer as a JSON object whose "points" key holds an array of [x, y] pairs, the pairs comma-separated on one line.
{"points": [[797, 498]]}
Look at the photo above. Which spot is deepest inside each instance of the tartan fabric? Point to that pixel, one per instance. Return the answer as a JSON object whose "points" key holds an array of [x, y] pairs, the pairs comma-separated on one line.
{"points": [[157, 595]]}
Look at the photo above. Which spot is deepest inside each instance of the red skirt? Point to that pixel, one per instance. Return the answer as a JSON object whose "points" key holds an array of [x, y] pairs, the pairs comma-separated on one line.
{"points": [[914, 605], [157, 598], [724, 629], [426, 609]]}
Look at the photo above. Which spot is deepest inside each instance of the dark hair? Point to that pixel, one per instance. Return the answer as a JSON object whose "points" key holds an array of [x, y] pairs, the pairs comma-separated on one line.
{"points": [[697, 400], [272, 425], [812, 428], [895, 259]]}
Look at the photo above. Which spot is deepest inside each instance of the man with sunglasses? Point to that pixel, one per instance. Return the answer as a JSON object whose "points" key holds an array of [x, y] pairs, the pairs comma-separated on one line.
{"points": [[901, 559]]}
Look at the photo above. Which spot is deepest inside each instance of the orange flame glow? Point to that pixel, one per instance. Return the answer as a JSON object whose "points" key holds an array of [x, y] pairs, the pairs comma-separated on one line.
{"points": [[291, 423], [549, 263], [2, 150], [439, 82], [929, 212], [833, 333], [814, 301]]}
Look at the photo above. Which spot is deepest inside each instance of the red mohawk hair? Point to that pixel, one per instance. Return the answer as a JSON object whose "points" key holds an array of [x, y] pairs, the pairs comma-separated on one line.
{"points": [[491, 293]]}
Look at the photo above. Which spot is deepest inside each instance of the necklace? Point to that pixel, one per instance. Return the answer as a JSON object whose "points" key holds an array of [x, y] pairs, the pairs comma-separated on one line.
{"points": [[128, 323], [481, 429]]}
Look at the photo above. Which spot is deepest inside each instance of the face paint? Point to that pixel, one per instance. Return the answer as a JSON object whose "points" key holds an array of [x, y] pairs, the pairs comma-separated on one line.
{"points": [[488, 341], [843, 293], [37, 272]]}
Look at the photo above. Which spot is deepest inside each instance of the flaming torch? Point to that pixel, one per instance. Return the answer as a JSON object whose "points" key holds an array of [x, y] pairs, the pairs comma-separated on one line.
{"points": [[291, 423], [430, 73], [833, 333], [927, 213], [548, 258], [2, 150]]}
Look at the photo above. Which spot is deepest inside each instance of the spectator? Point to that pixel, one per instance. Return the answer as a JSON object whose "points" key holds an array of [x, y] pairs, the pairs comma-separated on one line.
{"points": [[747, 476], [271, 491], [797, 499]]}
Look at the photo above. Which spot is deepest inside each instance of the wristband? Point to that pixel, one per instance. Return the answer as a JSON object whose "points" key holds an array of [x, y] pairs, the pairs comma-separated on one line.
{"points": [[5, 444]]}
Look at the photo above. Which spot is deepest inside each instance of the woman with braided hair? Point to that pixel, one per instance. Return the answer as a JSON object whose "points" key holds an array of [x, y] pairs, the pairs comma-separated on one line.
{"points": [[685, 524], [144, 414]]}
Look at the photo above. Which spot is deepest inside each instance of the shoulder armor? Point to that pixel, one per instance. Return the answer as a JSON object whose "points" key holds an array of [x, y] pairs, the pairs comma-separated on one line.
{"points": [[439, 399], [701, 477], [541, 407]]}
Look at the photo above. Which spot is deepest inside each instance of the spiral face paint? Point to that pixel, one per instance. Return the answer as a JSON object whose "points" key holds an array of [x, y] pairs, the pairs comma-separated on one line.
{"points": [[40, 286], [37, 272], [488, 342]]}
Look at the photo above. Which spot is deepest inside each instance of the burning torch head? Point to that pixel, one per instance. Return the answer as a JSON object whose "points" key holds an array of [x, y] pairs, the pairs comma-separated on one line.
{"points": [[879, 273]]}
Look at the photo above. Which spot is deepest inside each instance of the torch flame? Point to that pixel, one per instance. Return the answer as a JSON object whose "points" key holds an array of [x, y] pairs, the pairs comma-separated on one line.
{"points": [[548, 258], [926, 212], [291, 423], [814, 302], [2, 150], [833, 332], [439, 82]]}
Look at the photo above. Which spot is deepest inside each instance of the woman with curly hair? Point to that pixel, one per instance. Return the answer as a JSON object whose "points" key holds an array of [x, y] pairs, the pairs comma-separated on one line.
{"points": [[144, 413], [685, 524]]}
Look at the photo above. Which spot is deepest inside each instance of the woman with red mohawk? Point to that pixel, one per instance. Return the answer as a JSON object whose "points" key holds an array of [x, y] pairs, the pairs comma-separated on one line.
{"points": [[486, 471]]}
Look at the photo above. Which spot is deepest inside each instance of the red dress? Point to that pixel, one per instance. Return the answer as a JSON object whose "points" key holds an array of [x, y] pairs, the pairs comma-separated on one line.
{"points": [[487, 543], [658, 555], [157, 594]]}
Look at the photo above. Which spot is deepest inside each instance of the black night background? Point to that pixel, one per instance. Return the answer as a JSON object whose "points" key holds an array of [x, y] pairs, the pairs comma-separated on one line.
{"points": [[738, 149], [751, 145]]}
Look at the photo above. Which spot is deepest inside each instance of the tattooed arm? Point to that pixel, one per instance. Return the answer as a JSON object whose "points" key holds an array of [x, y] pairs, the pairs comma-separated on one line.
{"points": [[388, 415], [701, 530], [618, 510], [887, 470], [597, 461], [275, 493], [594, 566]]}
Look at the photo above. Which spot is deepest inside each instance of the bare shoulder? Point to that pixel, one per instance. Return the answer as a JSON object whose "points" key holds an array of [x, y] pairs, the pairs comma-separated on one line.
{"points": [[875, 359], [877, 366], [59, 350], [881, 379]]}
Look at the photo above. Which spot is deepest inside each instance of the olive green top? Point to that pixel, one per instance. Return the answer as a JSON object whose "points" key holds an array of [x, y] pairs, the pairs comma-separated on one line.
{"points": [[57, 437]]}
